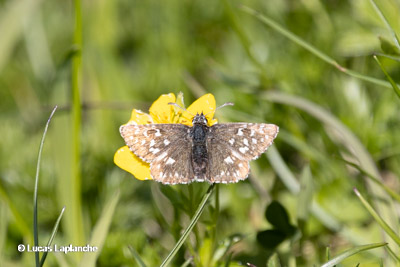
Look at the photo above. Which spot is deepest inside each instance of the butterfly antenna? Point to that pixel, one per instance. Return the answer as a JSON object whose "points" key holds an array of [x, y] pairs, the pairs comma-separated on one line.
{"points": [[224, 105], [176, 105]]}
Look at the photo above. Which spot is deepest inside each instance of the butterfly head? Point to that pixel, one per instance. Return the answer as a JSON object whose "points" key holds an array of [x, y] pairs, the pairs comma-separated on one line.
{"points": [[200, 119]]}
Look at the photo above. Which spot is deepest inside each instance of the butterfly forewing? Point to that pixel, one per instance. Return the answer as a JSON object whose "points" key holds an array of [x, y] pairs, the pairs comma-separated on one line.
{"points": [[166, 147], [233, 145], [149, 140]]}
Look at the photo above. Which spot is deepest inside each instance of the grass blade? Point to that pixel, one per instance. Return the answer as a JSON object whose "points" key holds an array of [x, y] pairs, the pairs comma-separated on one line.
{"points": [[100, 232], [312, 49], [351, 252], [187, 231], [35, 226], [291, 36], [20, 224], [273, 261], [392, 82], [187, 262], [3, 229], [53, 234], [388, 190], [383, 18], [236, 26], [287, 177], [378, 218], [392, 254], [11, 26], [305, 195], [137, 257], [393, 57]]}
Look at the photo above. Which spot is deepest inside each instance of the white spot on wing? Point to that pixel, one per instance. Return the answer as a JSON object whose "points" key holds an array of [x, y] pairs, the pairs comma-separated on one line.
{"points": [[252, 132], [243, 149], [157, 133], [152, 142], [170, 161], [162, 155], [246, 142], [231, 141], [228, 160], [154, 150], [240, 132], [254, 141], [166, 142], [234, 153]]}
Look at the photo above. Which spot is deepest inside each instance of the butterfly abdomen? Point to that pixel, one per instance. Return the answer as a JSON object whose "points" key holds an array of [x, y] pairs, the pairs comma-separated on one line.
{"points": [[199, 151]]}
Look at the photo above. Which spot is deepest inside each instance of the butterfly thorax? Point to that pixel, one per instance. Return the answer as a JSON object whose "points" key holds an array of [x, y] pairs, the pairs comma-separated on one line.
{"points": [[199, 119], [199, 157]]}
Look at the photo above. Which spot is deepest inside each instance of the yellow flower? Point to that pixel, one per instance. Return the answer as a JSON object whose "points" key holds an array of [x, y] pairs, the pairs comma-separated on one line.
{"points": [[161, 112]]}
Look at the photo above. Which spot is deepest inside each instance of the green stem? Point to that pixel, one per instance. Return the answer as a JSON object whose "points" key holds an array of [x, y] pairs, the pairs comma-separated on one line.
{"points": [[187, 231], [215, 221], [75, 227]]}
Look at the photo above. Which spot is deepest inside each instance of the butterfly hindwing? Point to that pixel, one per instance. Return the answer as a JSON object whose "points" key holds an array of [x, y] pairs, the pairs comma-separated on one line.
{"points": [[173, 165], [224, 167]]}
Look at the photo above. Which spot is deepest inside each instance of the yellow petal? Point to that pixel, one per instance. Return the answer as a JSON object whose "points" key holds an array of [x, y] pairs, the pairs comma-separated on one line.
{"points": [[205, 104], [139, 117], [160, 111], [127, 161]]}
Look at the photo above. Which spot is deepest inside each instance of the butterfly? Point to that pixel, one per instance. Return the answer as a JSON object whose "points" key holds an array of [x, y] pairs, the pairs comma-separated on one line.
{"points": [[181, 154]]}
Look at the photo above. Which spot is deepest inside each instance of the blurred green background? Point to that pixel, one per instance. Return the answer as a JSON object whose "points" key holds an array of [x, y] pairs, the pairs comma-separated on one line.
{"points": [[134, 51]]}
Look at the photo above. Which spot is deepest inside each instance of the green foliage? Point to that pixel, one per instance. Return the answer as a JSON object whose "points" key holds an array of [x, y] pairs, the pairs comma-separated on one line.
{"points": [[306, 66], [277, 216]]}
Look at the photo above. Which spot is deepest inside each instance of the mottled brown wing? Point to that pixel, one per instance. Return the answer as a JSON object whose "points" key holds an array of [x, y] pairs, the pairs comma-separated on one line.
{"points": [[167, 147], [232, 145]]}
